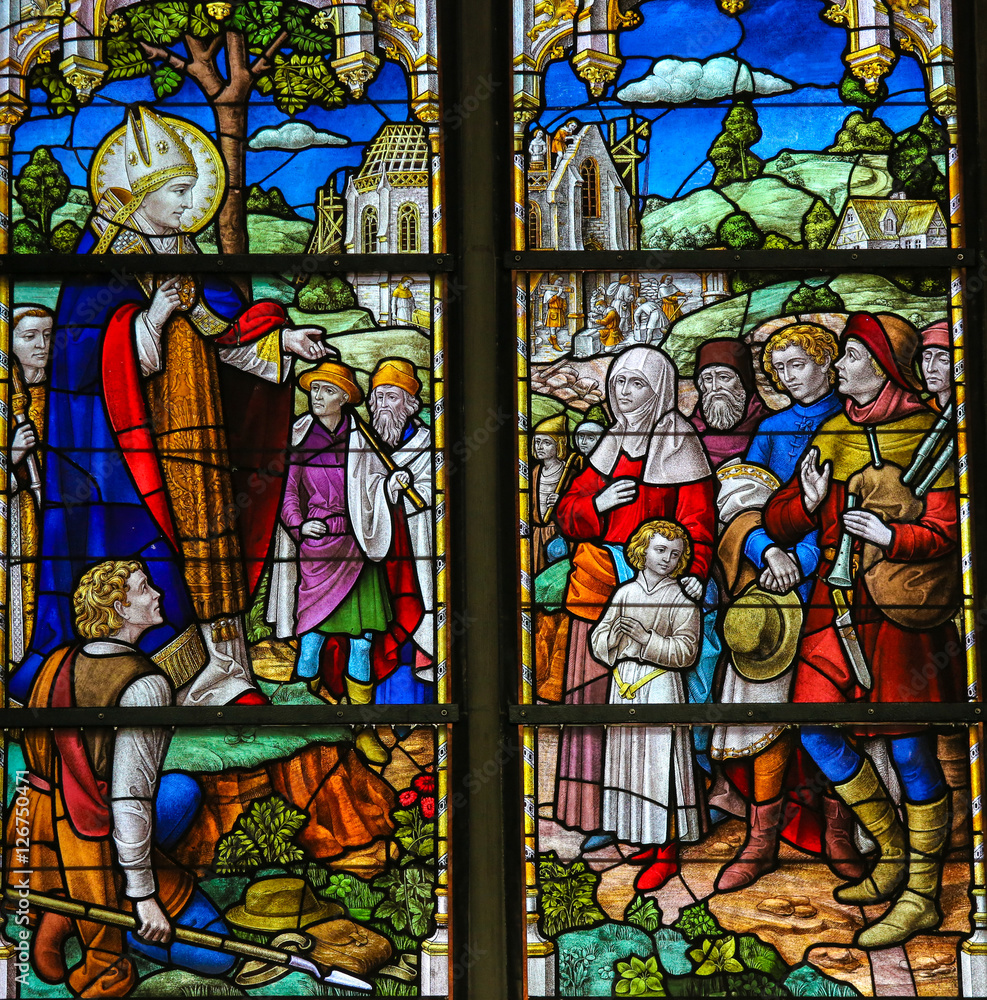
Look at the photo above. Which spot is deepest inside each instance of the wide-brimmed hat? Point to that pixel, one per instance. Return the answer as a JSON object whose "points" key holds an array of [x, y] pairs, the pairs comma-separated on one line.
{"points": [[762, 631], [337, 374], [279, 904]]}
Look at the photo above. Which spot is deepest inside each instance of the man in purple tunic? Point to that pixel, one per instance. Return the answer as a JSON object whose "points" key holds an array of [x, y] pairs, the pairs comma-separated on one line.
{"points": [[330, 508]]}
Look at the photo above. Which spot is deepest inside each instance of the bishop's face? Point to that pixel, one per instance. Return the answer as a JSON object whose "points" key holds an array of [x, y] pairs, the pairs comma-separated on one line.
{"points": [[32, 342], [165, 206]]}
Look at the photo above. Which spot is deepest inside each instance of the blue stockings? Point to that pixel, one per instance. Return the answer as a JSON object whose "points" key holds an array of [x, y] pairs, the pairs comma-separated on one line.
{"points": [[914, 758]]}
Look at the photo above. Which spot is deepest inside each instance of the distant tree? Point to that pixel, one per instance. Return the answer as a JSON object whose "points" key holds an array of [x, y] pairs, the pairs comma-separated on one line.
{"points": [[786, 161], [818, 224], [26, 238], [704, 237], [270, 202], [912, 164], [862, 135], [65, 237], [326, 293], [806, 299], [731, 150], [778, 241], [661, 239], [42, 187], [747, 281], [740, 232], [853, 92], [796, 178]]}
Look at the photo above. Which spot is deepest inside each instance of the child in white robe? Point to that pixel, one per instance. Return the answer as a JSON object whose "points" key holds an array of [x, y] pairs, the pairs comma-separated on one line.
{"points": [[650, 635]]}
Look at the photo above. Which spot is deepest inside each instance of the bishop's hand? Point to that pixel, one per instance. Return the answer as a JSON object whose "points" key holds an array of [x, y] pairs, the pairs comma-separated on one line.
{"points": [[306, 343], [25, 438], [164, 302], [814, 479]]}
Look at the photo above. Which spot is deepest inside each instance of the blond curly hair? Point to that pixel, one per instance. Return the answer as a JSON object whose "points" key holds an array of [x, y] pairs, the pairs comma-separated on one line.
{"points": [[99, 589], [641, 539], [815, 340]]}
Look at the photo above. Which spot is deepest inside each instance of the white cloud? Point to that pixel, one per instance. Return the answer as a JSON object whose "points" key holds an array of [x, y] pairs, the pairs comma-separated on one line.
{"points": [[679, 81], [292, 136]]}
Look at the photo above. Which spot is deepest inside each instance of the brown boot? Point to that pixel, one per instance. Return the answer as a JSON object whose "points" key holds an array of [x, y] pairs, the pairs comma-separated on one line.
{"points": [[760, 854], [48, 947], [839, 848], [917, 908], [866, 795]]}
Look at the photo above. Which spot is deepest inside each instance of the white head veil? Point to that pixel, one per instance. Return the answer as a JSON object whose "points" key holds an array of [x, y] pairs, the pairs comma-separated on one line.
{"points": [[673, 453]]}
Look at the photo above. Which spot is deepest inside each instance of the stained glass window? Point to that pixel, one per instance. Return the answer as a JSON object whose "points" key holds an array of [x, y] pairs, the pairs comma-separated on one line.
{"points": [[225, 530], [734, 644]]}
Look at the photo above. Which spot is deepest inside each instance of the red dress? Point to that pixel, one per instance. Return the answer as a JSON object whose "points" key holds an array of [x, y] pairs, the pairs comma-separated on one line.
{"points": [[591, 583]]}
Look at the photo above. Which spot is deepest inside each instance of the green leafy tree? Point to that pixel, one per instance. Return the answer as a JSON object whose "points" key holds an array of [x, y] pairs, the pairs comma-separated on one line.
{"points": [[912, 164], [740, 232], [269, 202], [861, 134], [324, 293], [818, 224], [806, 299], [776, 241], [42, 187], [26, 238], [731, 150], [65, 237], [278, 48], [853, 92]]}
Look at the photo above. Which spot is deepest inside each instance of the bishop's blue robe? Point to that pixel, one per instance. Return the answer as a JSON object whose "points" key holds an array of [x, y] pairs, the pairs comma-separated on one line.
{"points": [[92, 510]]}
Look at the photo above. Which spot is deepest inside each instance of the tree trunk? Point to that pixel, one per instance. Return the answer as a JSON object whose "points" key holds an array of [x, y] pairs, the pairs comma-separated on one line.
{"points": [[231, 127]]}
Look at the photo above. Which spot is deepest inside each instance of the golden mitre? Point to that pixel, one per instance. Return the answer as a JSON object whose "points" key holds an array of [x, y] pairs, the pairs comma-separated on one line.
{"points": [[154, 152]]}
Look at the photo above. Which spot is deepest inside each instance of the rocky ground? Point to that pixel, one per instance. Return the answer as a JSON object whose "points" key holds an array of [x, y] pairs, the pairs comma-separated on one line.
{"points": [[791, 909]]}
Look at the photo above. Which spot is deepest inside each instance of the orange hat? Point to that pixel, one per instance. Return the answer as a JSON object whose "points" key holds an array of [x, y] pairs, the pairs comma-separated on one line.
{"points": [[337, 374], [396, 371]]}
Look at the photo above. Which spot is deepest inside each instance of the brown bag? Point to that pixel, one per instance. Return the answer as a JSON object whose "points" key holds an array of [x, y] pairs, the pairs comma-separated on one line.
{"points": [[916, 595], [348, 946]]}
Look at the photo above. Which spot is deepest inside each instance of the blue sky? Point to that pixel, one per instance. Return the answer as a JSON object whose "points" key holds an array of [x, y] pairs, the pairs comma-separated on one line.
{"points": [[786, 39], [73, 140]]}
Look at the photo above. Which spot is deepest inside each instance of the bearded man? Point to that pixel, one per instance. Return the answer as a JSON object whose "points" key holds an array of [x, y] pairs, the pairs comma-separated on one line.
{"points": [[902, 583], [729, 407], [394, 403]]}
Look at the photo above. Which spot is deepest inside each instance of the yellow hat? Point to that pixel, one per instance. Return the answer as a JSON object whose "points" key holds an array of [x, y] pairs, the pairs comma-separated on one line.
{"points": [[337, 374], [281, 904], [557, 425], [396, 371], [762, 631]]}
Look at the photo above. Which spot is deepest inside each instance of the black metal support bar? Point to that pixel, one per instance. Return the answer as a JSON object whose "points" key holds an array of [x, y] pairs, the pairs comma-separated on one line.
{"points": [[911, 713], [775, 260], [231, 715], [42, 266]]}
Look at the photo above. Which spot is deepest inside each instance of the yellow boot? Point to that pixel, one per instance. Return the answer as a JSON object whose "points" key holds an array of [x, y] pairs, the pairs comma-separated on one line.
{"points": [[865, 794], [366, 739], [917, 908]]}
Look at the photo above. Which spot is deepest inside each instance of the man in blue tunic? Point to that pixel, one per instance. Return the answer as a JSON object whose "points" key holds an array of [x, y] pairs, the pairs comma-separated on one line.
{"points": [[799, 360], [146, 425]]}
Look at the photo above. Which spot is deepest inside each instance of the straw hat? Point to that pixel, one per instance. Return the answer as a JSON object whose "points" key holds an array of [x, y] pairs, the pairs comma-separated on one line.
{"points": [[281, 904], [762, 631], [337, 374]]}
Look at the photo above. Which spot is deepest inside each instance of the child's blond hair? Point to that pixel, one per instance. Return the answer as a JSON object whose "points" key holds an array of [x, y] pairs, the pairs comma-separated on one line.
{"points": [[641, 539]]}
